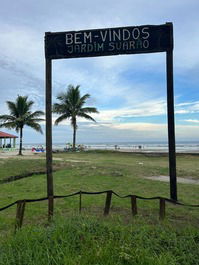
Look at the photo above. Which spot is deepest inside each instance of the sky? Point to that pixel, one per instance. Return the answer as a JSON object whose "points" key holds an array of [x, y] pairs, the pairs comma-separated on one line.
{"points": [[129, 91]]}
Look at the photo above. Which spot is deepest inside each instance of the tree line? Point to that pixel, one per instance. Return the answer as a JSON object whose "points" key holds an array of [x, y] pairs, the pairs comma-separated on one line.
{"points": [[70, 105]]}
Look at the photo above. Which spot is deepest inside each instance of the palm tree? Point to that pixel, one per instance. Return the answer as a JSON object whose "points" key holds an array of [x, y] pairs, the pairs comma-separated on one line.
{"points": [[21, 115], [71, 107]]}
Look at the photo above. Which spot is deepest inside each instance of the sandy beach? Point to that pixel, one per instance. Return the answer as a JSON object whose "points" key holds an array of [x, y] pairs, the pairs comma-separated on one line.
{"points": [[14, 154]]}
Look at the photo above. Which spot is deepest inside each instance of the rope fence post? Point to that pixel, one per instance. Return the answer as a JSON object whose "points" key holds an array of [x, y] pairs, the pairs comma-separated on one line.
{"points": [[134, 205], [19, 214], [162, 209], [80, 201], [50, 209], [108, 202]]}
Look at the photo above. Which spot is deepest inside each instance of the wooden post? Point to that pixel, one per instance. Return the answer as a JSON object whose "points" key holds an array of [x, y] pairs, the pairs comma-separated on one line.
{"points": [[50, 207], [108, 203], [80, 201], [20, 214], [50, 193], [162, 209], [134, 205], [171, 121]]}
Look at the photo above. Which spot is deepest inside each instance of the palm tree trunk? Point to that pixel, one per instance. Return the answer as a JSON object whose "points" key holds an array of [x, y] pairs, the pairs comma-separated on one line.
{"points": [[20, 145], [74, 133], [74, 137]]}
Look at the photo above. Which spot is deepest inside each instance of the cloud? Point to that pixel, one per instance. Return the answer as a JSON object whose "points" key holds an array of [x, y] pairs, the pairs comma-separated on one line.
{"points": [[136, 126], [123, 132], [187, 132], [22, 44], [192, 121], [150, 108], [144, 109], [187, 107]]}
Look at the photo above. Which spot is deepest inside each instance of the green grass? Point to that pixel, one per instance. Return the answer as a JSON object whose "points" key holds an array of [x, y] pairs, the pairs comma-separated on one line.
{"points": [[21, 166], [96, 171], [86, 240]]}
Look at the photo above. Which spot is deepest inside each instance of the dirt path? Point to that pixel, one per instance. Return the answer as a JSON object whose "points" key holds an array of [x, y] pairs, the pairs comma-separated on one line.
{"points": [[179, 180]]}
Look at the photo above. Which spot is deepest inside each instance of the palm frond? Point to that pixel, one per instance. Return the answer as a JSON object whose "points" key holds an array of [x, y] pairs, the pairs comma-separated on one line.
{"points": [[35, 126], [89, 110], [86, 116], [7, 117], [61, 118], [36, 120], [8, 125], [12, 108], [29, 104], [82, 100], [62, 96], [36, 114], [85, 97], [58, 108]]}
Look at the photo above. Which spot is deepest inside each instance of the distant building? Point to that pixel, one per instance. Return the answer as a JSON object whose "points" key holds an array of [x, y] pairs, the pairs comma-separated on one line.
{"points": [[7, 140]]}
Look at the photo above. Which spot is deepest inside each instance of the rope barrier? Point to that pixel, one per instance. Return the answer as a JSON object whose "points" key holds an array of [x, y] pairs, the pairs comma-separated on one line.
{"points": [[97, 193]]}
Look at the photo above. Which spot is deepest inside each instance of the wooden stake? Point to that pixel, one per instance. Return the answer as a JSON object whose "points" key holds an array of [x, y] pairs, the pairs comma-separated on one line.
{"points": [[134, 205], [162, 209], [80, 202], [20, 214], [50, 207], [108, 203]]}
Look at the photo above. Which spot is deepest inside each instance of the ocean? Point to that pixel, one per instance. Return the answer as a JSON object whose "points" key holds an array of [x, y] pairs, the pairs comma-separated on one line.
{"points": [[181, 147]]}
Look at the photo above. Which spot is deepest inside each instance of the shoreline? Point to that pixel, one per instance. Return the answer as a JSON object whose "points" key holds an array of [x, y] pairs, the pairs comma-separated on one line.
{"points": [[28, 153]]}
